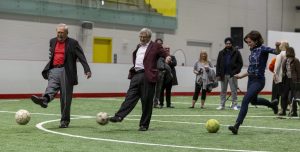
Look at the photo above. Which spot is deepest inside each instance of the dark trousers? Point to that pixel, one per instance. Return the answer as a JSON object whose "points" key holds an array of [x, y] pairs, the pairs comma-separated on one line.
{"points": [[276, 90], [139, 88], [288, 88], [254, 86], [159, 87], [197, 91], [168, 88], [58, 81]]}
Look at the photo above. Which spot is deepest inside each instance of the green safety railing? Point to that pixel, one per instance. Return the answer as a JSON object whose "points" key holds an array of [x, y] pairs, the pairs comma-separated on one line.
{"points": [[145, 18]]}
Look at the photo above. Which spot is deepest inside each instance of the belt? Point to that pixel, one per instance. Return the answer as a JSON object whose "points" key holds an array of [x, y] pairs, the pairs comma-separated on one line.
{"points": [[58, 66], [140, 71]]}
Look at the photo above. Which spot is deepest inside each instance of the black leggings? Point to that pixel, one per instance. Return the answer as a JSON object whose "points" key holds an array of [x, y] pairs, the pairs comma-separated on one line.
{"points": [[197, 91]]}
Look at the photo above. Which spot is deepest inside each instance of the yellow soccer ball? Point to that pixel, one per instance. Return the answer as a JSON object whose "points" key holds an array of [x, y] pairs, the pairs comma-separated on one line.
{"points": [[212, 125]]}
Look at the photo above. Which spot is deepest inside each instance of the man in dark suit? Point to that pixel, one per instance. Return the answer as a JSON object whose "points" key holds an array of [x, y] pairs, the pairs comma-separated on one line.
{"points": [[61, 72], [167, 85], [143, 77]]}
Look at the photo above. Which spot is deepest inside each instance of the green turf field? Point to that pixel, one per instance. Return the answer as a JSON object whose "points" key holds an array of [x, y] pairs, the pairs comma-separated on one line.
{"points": [[171, 130]]}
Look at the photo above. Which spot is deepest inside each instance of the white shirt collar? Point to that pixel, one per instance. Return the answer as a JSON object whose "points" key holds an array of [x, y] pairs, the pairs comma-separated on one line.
{"points": [[146, 45]]}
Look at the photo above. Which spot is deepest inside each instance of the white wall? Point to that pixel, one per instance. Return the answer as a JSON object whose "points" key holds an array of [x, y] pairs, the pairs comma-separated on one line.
{"points": [[24, 77], [291, 37]]}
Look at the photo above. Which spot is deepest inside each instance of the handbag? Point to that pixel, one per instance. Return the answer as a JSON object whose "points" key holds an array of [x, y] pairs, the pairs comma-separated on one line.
{"points": [[212, 85]]}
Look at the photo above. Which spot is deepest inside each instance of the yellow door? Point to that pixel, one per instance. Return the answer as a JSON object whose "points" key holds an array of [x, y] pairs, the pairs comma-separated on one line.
{"points": [[102, 50]]}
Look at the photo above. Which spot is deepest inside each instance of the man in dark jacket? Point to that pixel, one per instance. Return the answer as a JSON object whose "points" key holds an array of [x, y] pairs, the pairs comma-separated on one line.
{"points": [[143, 77], [61, 72], [164, 75], [168, 83], [229, 63]]}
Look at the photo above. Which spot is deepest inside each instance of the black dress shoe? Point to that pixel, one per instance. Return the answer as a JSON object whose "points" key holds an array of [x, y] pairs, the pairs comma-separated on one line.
{"points": [[64, 125], [42, 101], [233, 129], [142, 128], [115, 119]]}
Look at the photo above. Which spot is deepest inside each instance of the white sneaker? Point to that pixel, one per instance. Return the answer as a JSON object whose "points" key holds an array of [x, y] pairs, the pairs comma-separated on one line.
{"points": [[235, 108], [220, 108]]}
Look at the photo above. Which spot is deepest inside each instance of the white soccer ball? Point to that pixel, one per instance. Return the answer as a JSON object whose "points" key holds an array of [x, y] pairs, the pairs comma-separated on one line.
{"points": [[22, 117], [102, 118], [212, 125]]}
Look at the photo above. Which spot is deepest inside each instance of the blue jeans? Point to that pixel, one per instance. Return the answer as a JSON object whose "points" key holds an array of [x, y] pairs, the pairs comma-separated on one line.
{"points": [[254, 86]]}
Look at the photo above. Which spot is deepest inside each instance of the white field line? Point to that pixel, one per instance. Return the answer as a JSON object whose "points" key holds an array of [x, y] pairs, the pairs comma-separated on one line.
{"points": [[4, 100], [197, 123], [164, 115], [182, 103], [174, 102], [102, 99], [40, 126], [151, 144], [177, 122]]}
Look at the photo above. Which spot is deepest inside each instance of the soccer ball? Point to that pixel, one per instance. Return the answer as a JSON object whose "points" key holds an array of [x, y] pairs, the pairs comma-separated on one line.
{"points": [[102, 118], [212, 125], [22, 117]]}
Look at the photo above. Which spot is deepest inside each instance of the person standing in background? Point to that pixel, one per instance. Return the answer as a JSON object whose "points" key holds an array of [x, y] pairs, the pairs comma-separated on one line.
{"points": [[277, 86], [202, 69], [159, 41], [167, 85], [291, 78], [143, 77], [161, 66], [229, 63], [61, 72]]}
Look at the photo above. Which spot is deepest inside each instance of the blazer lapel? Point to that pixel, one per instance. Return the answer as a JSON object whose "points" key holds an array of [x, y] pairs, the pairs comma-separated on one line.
{"points": [[148, 49], [134, 53], [53, 46], [66, 48]]}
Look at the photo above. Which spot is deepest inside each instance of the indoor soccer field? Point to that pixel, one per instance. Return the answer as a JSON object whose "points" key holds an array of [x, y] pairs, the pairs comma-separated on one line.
{"points": [[171, 130]]}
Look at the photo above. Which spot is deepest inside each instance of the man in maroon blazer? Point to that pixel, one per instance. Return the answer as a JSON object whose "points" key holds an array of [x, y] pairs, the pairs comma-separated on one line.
{"points": [[143, 77]]}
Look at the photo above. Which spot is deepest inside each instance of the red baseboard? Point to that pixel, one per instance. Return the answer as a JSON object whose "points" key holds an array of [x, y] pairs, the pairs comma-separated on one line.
{"points": [[98, 95]]}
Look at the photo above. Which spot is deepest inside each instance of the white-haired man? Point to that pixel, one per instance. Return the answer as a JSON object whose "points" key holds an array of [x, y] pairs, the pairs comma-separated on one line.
{"points": [[143, 77], [61, 72]]}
